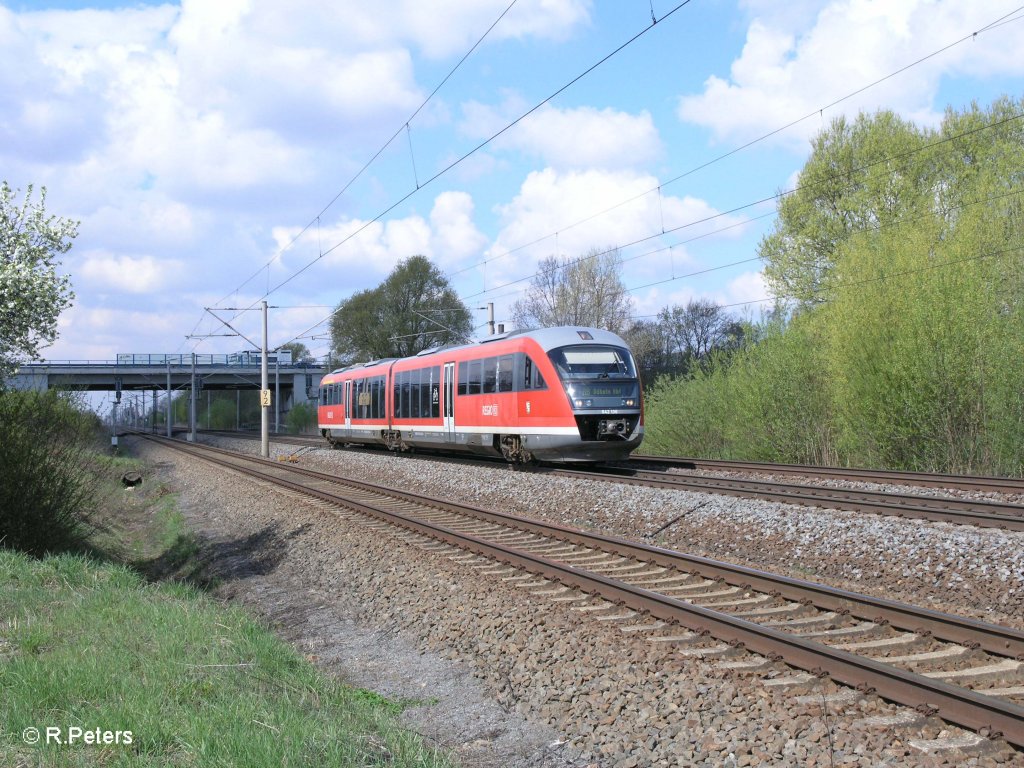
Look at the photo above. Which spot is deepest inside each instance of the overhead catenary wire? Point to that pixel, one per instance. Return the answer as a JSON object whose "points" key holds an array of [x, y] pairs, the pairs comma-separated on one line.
{"points": [[771, 198], [779, 195], [902, 221], [367, 164], [458, 161], [1005, 19], [841, 285]]}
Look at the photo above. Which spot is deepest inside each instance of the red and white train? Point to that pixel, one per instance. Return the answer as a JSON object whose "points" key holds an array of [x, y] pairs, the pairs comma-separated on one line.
{"points": [[555, 394]]}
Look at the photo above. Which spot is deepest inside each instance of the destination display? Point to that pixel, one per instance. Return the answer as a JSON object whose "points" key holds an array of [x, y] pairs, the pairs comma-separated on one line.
{"points": [[592, 389]]}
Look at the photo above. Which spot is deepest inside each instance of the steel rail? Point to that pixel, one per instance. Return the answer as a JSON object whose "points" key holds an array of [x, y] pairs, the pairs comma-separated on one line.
{"points": [[979, 513], [996, 639], [991, 483], [990, 716], [958, 511]]}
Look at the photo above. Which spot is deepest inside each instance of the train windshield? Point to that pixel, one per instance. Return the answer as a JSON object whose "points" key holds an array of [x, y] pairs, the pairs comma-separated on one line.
{"points": [[597, 376], [591, 361]]}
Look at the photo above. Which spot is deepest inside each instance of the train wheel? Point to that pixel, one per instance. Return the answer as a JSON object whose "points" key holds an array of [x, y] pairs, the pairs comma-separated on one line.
{"points": [[513, 451]]}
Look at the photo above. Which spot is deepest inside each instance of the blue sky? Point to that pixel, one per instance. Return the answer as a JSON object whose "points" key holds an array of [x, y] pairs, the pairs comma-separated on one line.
{"points": [[194, 141]]}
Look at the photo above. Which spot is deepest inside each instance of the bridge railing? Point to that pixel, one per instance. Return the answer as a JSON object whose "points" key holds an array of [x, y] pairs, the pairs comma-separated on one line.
{"points": [[177, 361]]}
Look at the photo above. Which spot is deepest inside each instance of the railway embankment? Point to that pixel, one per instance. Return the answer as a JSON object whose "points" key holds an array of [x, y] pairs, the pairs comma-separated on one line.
{"points": [[121, 656], [613, 699]]}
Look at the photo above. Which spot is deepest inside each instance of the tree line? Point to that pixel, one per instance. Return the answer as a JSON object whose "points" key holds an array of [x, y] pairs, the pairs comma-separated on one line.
{"points": [[898, 336], [416, 308]]}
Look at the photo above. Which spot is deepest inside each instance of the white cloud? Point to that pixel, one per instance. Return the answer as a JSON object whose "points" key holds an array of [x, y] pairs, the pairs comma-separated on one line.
{"points": [[455, 236], [89, 332], [790, 68], [109, 273], [747, 287], [450, 27], [365, 252], [567, 203], [583, 137]]}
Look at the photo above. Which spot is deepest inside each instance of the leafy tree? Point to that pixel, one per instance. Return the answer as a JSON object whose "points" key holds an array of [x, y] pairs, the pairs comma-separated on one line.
{"points": [[906, 349], [300, 352], [650, 347], [696, 329], [32, 294], [846, 185], [413, 309], [583, 291]]}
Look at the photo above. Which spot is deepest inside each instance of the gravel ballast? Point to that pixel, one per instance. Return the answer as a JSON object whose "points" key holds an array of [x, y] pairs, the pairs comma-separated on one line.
{"points": [[971, 571], [582, 691]]}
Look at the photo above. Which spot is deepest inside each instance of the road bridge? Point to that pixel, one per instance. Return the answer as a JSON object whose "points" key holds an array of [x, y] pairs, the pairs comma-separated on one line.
{"points": [[291, 382]]}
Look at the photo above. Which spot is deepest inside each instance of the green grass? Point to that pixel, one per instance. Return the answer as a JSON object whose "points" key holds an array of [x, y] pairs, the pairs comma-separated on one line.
{"points": [[94, 645]]}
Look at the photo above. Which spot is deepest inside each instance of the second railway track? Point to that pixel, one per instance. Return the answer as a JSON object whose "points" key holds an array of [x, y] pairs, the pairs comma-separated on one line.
{"points": [[968, 672], [976, 512]]}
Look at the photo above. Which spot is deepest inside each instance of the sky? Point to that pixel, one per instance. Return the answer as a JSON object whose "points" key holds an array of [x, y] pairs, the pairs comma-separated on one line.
{"points": [[219, 153]]}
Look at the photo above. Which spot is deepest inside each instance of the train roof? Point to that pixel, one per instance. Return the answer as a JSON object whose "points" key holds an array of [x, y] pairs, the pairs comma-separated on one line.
{"points": [[546, 338]]}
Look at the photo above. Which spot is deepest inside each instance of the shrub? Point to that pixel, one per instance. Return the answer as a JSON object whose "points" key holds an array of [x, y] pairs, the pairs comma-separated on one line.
{"points": [[48, 468], [301, 418]]}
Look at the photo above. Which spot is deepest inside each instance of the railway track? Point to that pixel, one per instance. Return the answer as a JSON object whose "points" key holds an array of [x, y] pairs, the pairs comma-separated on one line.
{"points": [[982, 513], [991, 484], [967, 672], [987, 514]]}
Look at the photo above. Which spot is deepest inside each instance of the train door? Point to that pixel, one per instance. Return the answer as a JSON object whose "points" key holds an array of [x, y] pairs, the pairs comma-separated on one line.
{"points": [[348, 408], [448, 406]]}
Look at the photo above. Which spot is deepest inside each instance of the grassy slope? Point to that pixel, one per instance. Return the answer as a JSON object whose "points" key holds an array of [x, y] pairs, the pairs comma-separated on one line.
{"points": [[94, 645]]}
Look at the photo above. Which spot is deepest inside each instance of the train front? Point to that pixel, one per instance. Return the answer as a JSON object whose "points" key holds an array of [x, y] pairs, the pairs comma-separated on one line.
{"points": [[599, 377]]}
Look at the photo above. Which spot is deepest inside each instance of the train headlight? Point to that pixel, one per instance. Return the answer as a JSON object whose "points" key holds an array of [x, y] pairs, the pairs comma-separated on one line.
{"points": [[630, 402], [578, 403]]}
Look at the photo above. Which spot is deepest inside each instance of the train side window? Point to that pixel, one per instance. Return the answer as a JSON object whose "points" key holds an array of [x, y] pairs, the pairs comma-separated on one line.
{"points": [[490, 375], [534, 379], [505, 373], [414, 394], [396, 398], [424, 393], [407, 392], [435, 391], [377, 409], [476, 376], [463, 378]]}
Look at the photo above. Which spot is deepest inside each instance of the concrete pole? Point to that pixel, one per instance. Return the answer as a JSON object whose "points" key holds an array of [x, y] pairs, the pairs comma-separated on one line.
{"points": [[490, 318], [168, 398], [277, 393], [264, 387], [192, 404], [238, 409]]}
